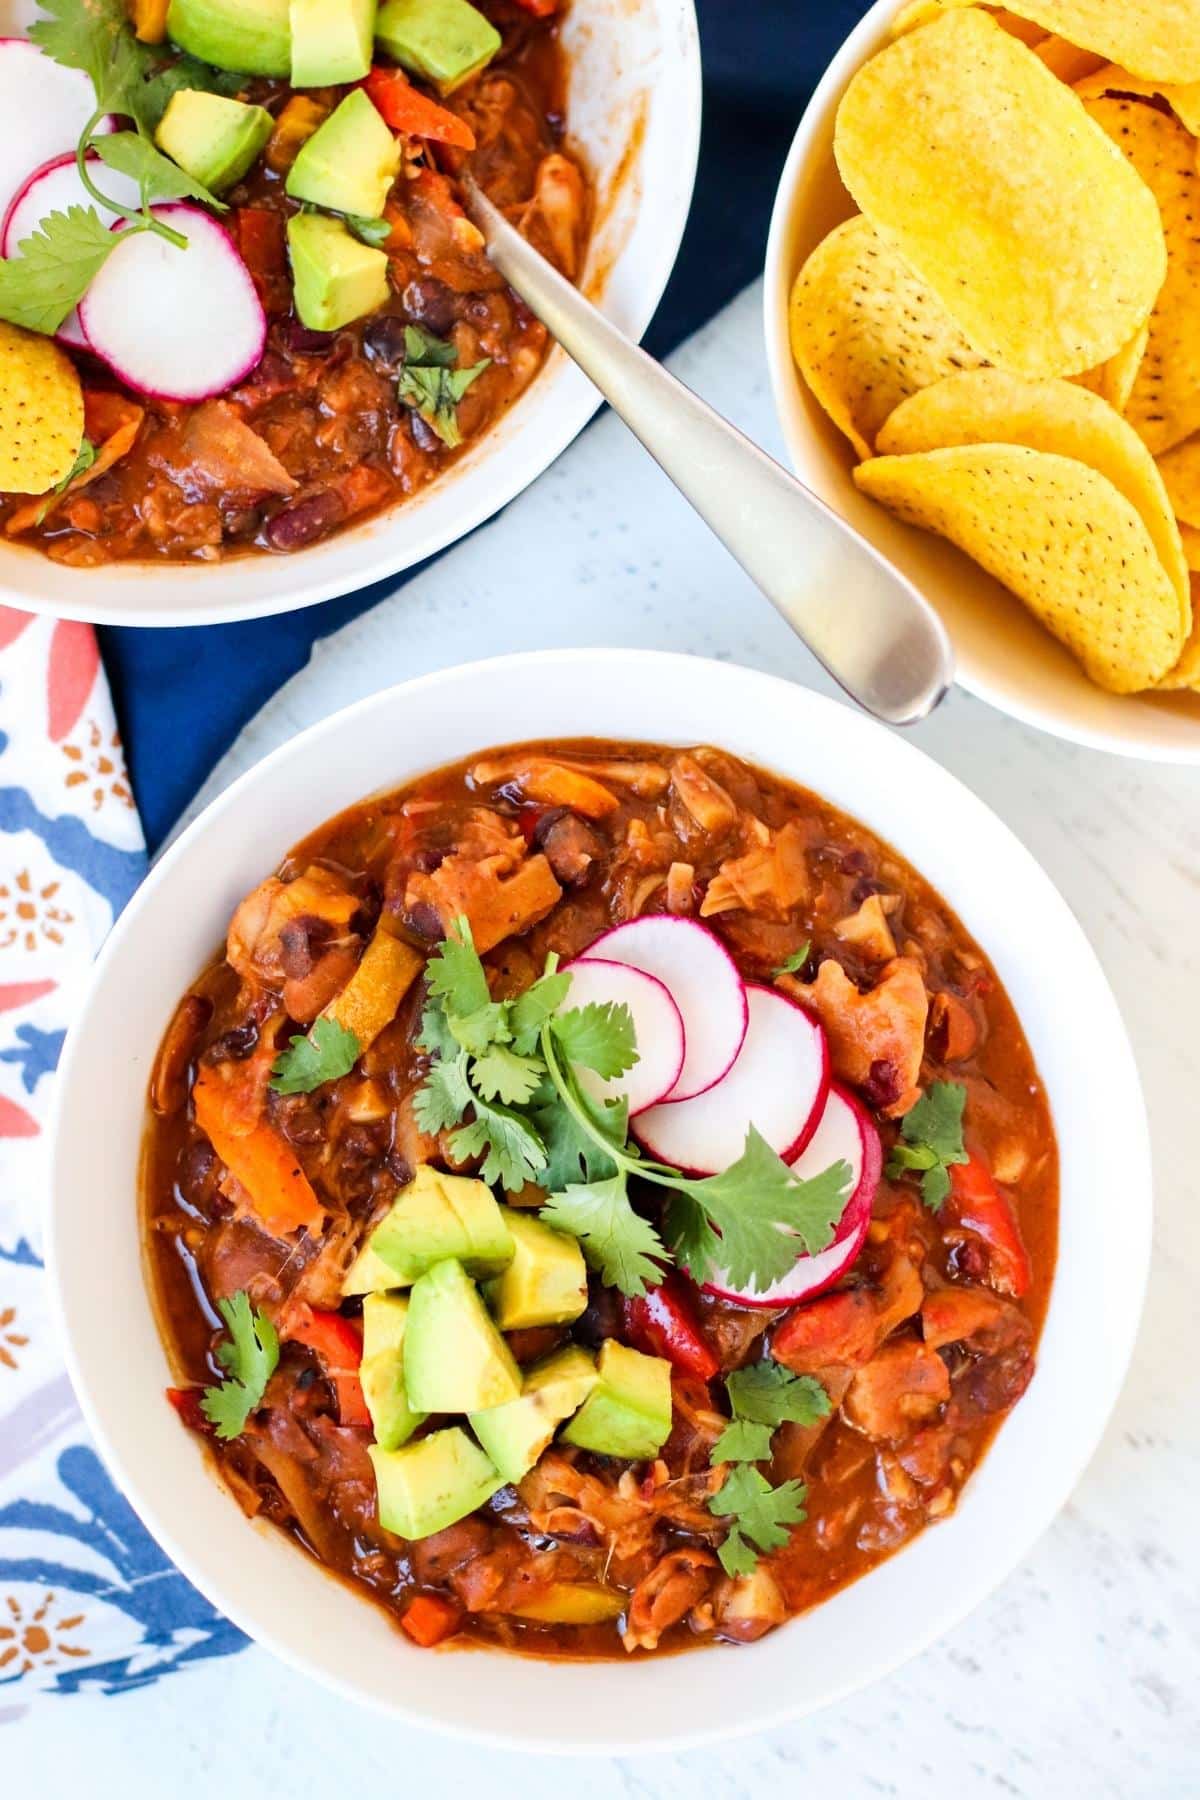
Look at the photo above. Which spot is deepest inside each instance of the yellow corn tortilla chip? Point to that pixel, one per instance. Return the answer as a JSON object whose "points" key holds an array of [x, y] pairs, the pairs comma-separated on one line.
{"points": [[1186, 673], [987, 176], [1156, 38], [1114, 379], [41, 412], [1164, 407], [1065, 60], [1180, 470], [1190, 538], [920, 12], [991, 406], [1184, 100], [866, 333], [1057, 534]]}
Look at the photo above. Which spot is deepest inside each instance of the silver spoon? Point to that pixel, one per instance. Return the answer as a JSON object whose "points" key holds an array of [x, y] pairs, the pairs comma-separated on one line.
{"points": [[870, 627]]}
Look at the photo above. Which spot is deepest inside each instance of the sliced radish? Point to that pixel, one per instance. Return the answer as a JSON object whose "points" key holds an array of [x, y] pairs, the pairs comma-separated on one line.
{"points": [[845, 1133], [176, 324], [53, 188], [702, 979], [43, 108], [658, 1030], [778, 1084]]}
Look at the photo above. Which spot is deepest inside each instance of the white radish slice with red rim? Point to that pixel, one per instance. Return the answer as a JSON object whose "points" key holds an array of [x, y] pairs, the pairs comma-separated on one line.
{"points": [[658, 1030], [777, 1084], [54, 188], [43, 110], [702, 979], [176, 324], [845, 1133]]}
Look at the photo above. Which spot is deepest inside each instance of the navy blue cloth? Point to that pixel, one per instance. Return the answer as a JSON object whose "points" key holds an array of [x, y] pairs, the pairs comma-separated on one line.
{"points": [[182, 696]]}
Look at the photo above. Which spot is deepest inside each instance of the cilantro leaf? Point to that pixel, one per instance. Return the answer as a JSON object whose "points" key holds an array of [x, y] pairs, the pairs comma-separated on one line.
{"points": [[129, 77], [572, 1154], [769, 1394], [479, 1030], [931, 1140], [444, 1097], [742, 1441], [81, 465], [424, 351], [327, 1052], [250, 1357], [160, 179], [793, 964], [455, 975], [760, 1513], [616, 1241], [500, 1074], [530, 1010], [374, 232], [435, 1036], [514, 1153], [431, 383], [597, 1036], [54, 267], [761, 1208]]}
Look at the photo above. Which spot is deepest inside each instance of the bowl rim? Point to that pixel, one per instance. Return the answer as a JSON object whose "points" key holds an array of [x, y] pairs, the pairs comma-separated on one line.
{"points": [[1121, 1322], [866, 38], [502, 470]]}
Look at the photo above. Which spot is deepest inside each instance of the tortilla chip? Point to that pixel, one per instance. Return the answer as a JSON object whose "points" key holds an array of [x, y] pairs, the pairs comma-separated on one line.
{"points": [[41, 413], [1180, 470], [1184, 100], [1114, 379], [990, 406], [1190, 539], [1186, 673], [1156, 38], [986, 175], [1165, 404], [1065, 60], [921, 12], [866, 333], [1057, 534]]}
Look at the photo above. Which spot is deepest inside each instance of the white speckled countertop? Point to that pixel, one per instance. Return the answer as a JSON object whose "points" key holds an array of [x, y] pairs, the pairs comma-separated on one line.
{"points": [[1081, 1675]]}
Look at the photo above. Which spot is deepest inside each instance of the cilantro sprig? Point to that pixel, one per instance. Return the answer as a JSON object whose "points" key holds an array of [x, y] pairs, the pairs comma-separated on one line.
{"points": [[931, 1140], [327, 1052], [793, 964], [761, 1398], [760, 1516], [432, 384], [251, 1356]]}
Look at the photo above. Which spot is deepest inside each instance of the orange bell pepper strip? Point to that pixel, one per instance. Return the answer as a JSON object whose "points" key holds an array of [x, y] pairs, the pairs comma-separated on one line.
{"points": [[338, 1344], [428, 1619], [110, 421], [149, 20], [259, 1158], [978, 1205], [405, 108]]}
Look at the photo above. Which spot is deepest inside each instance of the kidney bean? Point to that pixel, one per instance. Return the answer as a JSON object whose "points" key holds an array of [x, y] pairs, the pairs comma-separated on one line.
{"points": [[306, 521], [302, 342]]}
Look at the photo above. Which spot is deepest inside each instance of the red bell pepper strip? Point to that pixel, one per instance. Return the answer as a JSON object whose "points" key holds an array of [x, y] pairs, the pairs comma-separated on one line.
{"points": [[405, 108], [428, 1618], [541, 9], [186, 1402], [338, 1343], [978, 1205], [664, 1322]]}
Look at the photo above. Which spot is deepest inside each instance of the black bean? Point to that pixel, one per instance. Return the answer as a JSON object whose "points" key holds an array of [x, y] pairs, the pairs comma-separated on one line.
{"points": [[383, 341], [429, 302], [235, 1045], [302, 342], [424, 436], [306, 521]]}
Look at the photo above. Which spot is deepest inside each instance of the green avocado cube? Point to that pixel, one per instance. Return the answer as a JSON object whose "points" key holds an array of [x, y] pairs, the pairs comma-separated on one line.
{"points": [[332, 41], [628, 1412], [515, 1435], [454, 1358], [431, 1484], [335, 279], [446, 41], [249, 37], [368, 1274], [385, 1320], [437, 1216], [349, 163], [214, 140], [546, 1281]]}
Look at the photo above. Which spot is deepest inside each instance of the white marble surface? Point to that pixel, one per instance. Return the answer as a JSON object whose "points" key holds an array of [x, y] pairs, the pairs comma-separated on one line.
{"points": [[1081, 1675]]}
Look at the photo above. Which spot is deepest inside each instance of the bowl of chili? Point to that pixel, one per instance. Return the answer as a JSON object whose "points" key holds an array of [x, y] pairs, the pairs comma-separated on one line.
{"points": [[321, 460], [1005, 1227]]}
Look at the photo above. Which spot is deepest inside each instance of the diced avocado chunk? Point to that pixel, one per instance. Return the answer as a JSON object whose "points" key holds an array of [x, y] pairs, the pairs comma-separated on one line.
{"points": [[214, 140], [335, 279], [369, 1274], [446, 41], [349, 163], [385, 1320], [437, 1216], [574, 1603], [546, 1281], [515, 1435], [628, 1412], [250, 37], [332, 41], [454, 1358], [430, 1484]]}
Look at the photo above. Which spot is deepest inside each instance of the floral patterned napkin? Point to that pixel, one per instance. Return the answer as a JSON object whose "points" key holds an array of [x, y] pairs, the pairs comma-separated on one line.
{"points": [[87, 1599]]}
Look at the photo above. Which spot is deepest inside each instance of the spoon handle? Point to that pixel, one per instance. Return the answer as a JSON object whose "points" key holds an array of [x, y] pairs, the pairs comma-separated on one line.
{"points": [[865, 622]]}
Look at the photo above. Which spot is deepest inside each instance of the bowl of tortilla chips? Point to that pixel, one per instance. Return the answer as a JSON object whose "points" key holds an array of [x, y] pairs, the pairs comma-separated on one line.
{"points": [[983, 328]]}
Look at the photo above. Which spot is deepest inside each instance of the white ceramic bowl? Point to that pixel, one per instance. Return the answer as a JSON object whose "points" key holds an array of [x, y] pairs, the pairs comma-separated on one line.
{"points": [[1003, 655], [634, 110], [261, 1580]]}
